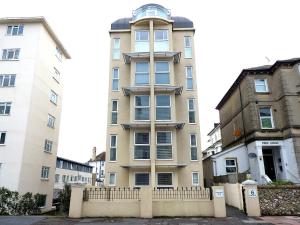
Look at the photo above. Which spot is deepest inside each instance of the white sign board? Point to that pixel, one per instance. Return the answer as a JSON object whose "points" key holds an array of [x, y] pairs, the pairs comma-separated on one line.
{"points": [[252, 193], [219, 193]]}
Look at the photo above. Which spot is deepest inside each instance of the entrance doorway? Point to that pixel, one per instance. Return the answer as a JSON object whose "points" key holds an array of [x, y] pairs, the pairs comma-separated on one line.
{"points": [[269, 163]]}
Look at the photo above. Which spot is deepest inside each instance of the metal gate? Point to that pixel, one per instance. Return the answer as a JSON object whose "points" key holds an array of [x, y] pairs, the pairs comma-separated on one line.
{"points": [[244, 200]]}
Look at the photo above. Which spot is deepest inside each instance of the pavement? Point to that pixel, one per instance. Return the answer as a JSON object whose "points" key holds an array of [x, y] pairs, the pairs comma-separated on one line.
{"points": [[234, 217]]}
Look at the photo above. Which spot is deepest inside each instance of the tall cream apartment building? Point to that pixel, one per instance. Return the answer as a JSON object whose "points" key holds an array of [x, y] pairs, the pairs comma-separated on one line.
{"points": [[31, 66], [153, 135]]}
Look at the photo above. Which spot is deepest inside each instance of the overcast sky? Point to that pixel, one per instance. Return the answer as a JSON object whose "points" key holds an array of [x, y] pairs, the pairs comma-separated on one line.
{"points": [[230, 35]]}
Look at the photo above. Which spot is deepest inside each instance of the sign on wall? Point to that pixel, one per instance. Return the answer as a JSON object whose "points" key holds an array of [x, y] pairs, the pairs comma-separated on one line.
{"points": [[219, 193], [252, 193]]}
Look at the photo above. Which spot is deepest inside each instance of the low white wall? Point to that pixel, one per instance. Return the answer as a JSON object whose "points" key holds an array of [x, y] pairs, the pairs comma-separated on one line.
{"points": [[183, 208], [115, 208]]}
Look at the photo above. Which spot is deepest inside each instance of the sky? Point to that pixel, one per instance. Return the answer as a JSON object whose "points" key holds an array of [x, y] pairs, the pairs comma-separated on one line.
{"points": [[230, 35]]}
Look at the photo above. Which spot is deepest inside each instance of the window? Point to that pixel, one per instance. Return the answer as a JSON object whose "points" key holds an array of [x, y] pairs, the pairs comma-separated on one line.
{"points": [[231, 166], [266, 118], [2, 137], [114, 112], [115, 81], [191, 109], [112, 179], [53, 97], [195, 178], [164, 145], [45, 172], [163, 107], [189, 78], [187, 47], [162, 73], [56, 178], [5, 108], [116, 48], [64, 178], [15, 30], [161, 41], [56, 75], [51, 121], [142, 145], [142, 107], [48, 146], [261, 85], [10, 54], [141, 179], [113, 148], [193, 145], [164, 179], [142, 73], [7, 80], [142, 41], [58, 53]]}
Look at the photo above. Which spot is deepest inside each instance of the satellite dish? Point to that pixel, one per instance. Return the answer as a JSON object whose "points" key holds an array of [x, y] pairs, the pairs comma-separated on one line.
{"points": [[252, 155]]}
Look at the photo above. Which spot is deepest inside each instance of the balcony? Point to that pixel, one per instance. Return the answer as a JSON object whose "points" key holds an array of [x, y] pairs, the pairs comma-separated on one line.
{"points": [[157, 165], [157, 88], [175, 56], [147, 125]]}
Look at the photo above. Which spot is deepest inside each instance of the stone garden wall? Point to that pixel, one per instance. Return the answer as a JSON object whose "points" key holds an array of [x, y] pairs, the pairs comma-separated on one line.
{"points": [[279, 200]]}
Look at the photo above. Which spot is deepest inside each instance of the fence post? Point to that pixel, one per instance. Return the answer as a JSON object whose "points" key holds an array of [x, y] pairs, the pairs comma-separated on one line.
{"points": [[76, 201], [146, 202], [219, 201], [251, 198]]}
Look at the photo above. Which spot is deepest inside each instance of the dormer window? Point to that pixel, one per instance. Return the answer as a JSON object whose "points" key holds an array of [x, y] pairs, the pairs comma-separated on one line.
{"points": [[151, 10]]}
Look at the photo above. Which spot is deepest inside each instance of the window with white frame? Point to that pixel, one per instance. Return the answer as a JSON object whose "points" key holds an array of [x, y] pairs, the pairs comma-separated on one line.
{"points": [[141, 145], [114, 112], [161, 40], [261, 85], [56, 178], [187, 47], [15, 30], [58, 53], [7, 80], [142, 41], [112, 179], [116, 48], [142, 179], [64, 178], [195, 178], [162, 73], [193, 146], [10, 54], [231, 166], [53, 97], [45, 172], [191, 109], [2, 137], [142, 73], [5, 108], [115, 81], [266, 118], [164, 145], [163, 107], [56, 75], [164, 179], [113, 148], [51, 121], [189, 78], [48, 145], [142, 107]]}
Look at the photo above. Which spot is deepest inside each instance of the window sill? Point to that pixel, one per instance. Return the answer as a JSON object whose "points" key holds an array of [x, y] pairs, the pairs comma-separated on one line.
{"points": [[142, 159], [194, 160], [112, 124], [193, 123], [9, 60], [262, 93], [48, 152], [44, 179], [115, 90], [7, 86], [112, 161], [2, 144], [165, 159], [4, 114], [50, 127]]}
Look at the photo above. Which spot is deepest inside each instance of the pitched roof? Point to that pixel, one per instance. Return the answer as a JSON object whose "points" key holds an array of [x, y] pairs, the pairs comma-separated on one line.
{"points": [[99, 157], [270, 69]]}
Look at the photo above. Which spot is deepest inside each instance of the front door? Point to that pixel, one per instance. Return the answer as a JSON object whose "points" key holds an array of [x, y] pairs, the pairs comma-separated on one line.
{"points": [[269, 163]]}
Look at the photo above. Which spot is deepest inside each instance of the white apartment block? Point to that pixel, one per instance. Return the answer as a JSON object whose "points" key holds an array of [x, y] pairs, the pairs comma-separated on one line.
{"points": [[70, 172], [98, 164], [31, 63], [215, 142]]}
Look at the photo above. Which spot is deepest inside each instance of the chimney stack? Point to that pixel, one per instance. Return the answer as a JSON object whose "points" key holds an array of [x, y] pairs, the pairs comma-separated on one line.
{"points": [[94, 154]]}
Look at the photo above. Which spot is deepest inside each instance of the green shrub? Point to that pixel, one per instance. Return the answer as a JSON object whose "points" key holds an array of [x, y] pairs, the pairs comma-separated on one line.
{"points": [[281, 182], [11, 203], [65, 197]]}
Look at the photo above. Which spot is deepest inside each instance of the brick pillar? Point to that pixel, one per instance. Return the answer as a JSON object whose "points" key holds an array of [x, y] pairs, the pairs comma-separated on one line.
{"points": [[76, 201], [219, 201], [251, 198]]}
